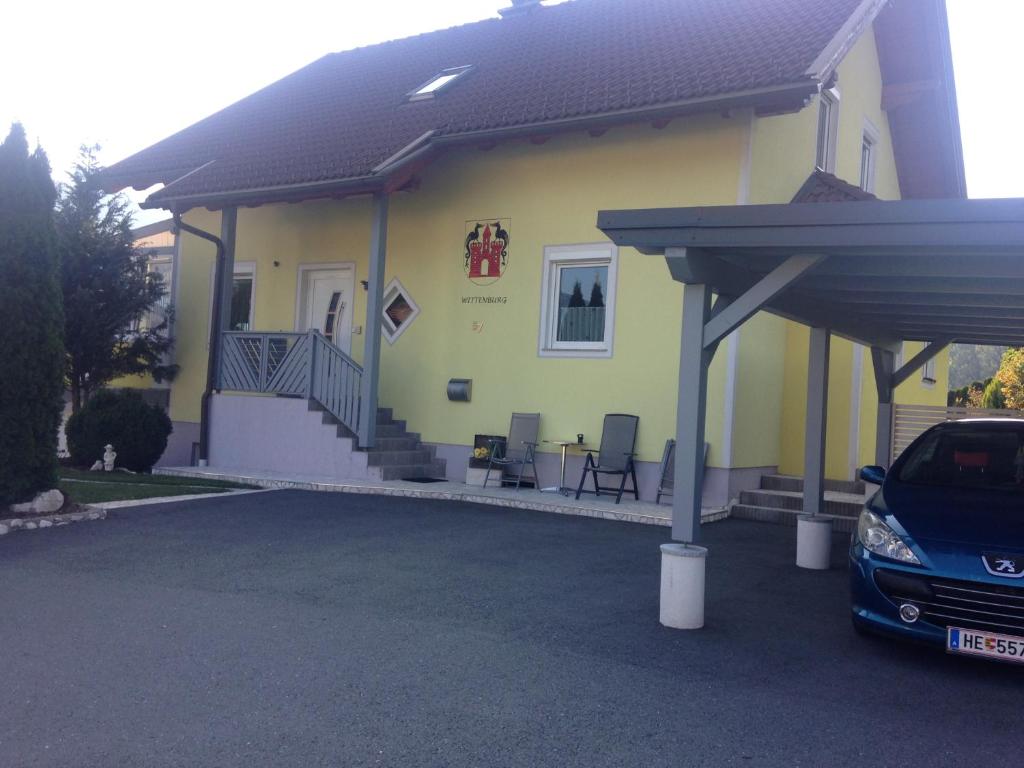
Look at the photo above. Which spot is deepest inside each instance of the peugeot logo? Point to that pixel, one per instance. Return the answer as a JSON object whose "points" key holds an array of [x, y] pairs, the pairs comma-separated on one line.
{"points": [[1010, 566]]}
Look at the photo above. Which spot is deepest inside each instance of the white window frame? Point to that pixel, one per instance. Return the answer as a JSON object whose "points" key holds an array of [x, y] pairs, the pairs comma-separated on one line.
{"points": [[929, 372], [388, 329], [827, 132], [585, 254], [158, 261], [247, 269], [869, 156], [443, 79], [242, 269]]}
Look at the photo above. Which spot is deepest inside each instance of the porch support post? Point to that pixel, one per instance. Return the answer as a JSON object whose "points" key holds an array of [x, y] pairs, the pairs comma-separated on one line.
{"points": [[883, 362], [690, 414], [374, 309], [814, 530], [228, 230], [817, 421], [683, 564]]}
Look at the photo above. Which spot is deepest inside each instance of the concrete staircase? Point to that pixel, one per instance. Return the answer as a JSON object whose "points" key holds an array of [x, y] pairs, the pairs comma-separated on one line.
{"points": [[780, 499], [397, 455]]}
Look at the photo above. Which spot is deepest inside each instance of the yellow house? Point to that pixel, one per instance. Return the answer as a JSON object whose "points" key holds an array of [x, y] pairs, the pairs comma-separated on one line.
{"points": [[396, 219]]}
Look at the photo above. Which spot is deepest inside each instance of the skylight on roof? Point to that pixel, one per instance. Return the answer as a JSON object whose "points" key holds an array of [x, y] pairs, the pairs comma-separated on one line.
{"points": [[438, 82]]}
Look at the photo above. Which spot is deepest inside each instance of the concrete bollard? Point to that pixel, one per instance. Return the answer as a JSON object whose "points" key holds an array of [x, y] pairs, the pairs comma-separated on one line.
{"points": [[814, 542], [682, 585]]}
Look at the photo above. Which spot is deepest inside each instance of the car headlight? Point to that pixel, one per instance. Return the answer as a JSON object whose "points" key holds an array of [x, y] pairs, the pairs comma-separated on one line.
{"points": [[877, 537]]}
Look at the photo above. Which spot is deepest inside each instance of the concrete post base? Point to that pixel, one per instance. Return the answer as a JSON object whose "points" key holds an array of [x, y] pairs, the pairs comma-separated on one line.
{"points": [[682, 585], [814, 542]]}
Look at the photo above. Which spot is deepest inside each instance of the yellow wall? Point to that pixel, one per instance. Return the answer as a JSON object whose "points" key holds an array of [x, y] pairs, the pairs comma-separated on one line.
{"points": [[778, 140], [552, 194]]}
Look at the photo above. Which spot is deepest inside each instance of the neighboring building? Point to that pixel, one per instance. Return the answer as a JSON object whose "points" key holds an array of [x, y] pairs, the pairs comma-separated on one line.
{"points": [[469, 165]]}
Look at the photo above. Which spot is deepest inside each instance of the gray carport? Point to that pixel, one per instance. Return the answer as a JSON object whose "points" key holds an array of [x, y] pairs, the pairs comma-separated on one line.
{"points": [[877, 273]]}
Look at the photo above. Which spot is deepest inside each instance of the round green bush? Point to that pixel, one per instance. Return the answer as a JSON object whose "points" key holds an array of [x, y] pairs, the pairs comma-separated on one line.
{"points": [[137, 430]]}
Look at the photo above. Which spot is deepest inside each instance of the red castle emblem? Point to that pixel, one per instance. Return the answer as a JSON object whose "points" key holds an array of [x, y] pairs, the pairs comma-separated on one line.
{"points": [[486, 251]]}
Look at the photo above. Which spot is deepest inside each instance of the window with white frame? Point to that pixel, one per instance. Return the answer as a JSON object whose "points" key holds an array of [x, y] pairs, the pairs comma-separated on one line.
{"points": [[242, 294], [928, 372], [828, 130], [439, 82], [399, 311], [160, 311], [868, 157], [578, 300]]}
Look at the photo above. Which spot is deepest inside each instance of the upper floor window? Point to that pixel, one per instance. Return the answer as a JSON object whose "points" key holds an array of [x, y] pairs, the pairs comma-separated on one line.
{"points": [[828, 130], [242, 290], [578, 300], [438, 83], [868, 157]]}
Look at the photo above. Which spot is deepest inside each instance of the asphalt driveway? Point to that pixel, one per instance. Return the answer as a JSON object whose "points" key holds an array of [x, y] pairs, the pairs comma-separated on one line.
{"points": [[302, 629]]}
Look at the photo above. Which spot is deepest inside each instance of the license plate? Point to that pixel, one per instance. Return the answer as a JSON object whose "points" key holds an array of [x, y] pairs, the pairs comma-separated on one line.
{"points": [[987, 644]]}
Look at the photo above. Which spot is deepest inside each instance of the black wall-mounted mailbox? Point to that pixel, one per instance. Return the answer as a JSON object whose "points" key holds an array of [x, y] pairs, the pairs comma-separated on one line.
{"points": [[460, 390]]}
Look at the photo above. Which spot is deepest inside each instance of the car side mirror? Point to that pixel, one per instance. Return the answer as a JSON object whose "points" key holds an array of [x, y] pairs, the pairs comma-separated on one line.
{"points": [[872, 474]]}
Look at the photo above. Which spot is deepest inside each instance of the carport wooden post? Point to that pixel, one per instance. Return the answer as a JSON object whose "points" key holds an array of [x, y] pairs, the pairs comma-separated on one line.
{"points": [[817, 421], [690, 414]]}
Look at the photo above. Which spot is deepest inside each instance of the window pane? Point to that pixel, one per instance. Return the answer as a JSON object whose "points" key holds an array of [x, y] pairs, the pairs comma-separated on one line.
{"points": [[581, 306], [398, 310], [241, 303], [970, 457], [824, 120]]}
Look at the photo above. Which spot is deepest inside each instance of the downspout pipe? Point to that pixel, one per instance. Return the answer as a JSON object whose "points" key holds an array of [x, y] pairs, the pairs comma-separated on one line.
{"points": [[214, 345]]}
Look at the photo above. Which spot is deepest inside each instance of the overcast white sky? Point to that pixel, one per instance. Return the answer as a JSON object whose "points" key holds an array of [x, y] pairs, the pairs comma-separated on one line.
{"points": [[126, 73]]}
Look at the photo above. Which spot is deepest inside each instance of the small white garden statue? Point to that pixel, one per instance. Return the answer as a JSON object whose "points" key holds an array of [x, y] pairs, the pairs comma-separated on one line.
{"points": [[109, 455]]}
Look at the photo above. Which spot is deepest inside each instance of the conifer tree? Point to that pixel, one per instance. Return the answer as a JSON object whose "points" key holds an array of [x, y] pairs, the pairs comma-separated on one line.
{"points": [[31, 372], [108, 289]]}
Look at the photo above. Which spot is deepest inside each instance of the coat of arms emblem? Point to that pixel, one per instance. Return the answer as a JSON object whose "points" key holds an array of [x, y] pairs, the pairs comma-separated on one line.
{"points": [[485, 253]]}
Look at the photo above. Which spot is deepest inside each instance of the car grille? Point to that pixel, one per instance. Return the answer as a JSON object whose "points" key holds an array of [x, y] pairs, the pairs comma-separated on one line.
{"points": [[949, 602]]}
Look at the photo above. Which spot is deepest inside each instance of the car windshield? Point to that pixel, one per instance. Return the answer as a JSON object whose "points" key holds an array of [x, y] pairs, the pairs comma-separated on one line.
{"points": [[974, 457]]}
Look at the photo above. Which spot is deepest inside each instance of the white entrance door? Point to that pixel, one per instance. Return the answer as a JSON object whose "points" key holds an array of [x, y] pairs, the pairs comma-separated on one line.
{"points": [[327, 304]]}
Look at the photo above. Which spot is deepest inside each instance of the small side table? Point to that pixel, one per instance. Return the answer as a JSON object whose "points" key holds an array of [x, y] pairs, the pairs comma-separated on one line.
{"points": [[564, 444]]}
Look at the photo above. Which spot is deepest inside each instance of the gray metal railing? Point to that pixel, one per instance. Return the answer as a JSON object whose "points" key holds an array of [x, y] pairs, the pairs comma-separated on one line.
{"points": [[304, 364], [336, 383]]}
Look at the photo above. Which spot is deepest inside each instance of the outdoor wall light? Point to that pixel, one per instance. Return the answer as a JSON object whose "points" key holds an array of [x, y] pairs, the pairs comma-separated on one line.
{"points": [[460, 390]]}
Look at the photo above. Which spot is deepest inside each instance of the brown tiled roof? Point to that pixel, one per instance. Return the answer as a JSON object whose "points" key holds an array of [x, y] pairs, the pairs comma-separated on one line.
{"points": [[344, 114], [822, 187]]}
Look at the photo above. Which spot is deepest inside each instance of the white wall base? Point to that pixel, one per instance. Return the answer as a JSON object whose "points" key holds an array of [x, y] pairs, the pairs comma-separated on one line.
{"points": [[682, 585], [814, 542], [475, 476]]}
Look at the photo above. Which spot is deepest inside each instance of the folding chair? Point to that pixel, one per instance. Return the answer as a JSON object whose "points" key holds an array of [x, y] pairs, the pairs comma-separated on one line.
{"points": [[518, 450], [615, 456]]}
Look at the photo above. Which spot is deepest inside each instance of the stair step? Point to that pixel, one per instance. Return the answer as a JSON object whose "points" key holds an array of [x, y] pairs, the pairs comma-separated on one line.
{"points": [[793, 501], [385, 415], [785, 517], [793, 483], [396, 444], [394, 429], [377, 458]]}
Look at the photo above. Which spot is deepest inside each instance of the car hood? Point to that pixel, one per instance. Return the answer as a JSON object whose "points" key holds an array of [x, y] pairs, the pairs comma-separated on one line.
{"points": [[981, 518]]}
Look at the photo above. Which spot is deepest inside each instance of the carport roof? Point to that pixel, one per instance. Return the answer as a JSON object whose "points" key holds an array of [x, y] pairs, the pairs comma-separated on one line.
{"points": [[887, 271]]}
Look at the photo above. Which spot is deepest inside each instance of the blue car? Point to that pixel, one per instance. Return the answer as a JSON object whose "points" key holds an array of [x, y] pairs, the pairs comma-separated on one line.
{"points": [[938, 554]]}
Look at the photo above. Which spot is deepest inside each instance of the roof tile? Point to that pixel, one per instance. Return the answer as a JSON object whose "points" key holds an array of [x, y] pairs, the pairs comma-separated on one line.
{"points": [[345, 113]]}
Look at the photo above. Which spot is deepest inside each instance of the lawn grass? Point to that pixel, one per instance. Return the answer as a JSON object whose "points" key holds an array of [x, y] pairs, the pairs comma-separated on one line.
{"points": [[93, 487]]}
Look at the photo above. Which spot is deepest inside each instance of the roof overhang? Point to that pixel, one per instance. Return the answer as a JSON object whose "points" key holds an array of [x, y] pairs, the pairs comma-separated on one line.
{"points": [[395, 171], [915, 270]]}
